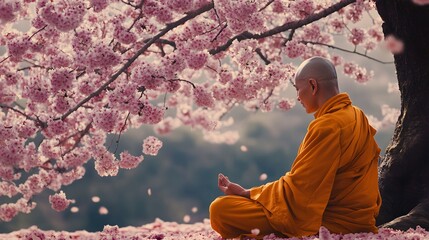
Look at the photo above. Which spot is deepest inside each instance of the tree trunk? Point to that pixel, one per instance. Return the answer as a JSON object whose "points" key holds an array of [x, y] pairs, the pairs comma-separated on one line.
{"points": [[404, 171]]}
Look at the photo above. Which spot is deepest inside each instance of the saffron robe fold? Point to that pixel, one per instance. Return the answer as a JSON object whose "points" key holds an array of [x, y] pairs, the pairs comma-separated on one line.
{"points": [[333, 181]]}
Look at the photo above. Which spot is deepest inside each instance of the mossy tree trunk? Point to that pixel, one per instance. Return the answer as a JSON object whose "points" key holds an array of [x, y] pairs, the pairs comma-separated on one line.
{"points": [[404, 171]]}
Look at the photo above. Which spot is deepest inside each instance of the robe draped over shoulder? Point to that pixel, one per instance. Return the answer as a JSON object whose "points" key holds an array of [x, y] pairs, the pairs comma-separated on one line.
{"points": [[333, 181]]}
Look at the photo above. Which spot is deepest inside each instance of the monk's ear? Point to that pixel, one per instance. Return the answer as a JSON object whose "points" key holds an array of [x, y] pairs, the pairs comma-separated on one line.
{"points": [[314, 85]]}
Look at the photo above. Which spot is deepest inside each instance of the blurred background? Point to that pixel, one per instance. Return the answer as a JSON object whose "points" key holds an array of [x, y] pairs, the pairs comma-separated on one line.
{"points": [[180, 183]]}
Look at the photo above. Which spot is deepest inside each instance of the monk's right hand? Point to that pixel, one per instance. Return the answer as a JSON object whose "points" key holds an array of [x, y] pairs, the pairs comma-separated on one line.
{"points": [[230, 188]]}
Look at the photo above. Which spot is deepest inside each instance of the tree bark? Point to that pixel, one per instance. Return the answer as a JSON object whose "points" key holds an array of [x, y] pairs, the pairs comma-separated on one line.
{"points": [[404, 171]]}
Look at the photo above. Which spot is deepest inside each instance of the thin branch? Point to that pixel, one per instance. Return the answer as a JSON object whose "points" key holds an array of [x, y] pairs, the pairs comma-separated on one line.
{"points": [[161, 48], [269, 95], [287, 26], [37, 32], [266, 61], [266, 5], [214, 70], [135, 21], [162, 41], [36, 120], [6, 58], [291, 33], [215, 11], [80, 74], [132, 5], [168, 28], [165, 100], [346, 50], [261, 55], [211, 30], [82, 134], [220, 31], [120, 132], [29, 67], [182, 80]]}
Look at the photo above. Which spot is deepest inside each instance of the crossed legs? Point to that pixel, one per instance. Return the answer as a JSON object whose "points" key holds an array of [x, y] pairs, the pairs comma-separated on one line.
{"points": [[235, 216]]}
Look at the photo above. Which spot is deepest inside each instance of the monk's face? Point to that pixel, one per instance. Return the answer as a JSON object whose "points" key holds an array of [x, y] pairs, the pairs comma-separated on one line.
{"points": [[304, 91]]}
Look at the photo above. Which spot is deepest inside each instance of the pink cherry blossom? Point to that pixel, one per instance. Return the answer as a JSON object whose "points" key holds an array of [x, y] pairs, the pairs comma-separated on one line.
{"points": [[64, 16], [151, 146], [357, 36], [8, 9], [106, 165], [99, 5], [286, 104], [7, 212], [302, 8], [59, 202], [128, 161], [202, 97], [61, 80], [151, 114], [294, 49]]}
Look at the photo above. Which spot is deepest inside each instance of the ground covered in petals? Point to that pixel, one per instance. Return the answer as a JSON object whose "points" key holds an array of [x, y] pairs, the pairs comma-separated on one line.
{"points": [[161, 230]]}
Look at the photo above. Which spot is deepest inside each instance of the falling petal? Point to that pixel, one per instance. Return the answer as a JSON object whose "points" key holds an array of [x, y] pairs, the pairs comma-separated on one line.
{"points": [[394, 44], [421, 2], [103, 210], [149, 191], [74, 209], [255, 231], [194, 209], [95, 199], [243, 148], [263, 177], [186, 218]]}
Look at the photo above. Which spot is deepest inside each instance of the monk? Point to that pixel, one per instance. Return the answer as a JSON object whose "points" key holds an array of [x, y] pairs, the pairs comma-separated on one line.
{"points": [[333, 181]]}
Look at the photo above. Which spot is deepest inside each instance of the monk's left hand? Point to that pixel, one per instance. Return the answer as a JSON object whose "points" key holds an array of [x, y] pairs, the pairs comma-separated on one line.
{"points": [[230, 188]]}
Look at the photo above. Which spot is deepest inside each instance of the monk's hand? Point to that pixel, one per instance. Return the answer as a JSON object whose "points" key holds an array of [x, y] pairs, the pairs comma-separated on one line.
{"points": [[230, 188]]}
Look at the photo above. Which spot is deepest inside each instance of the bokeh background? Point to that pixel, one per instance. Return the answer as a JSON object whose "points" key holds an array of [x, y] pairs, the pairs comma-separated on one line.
{"points": [[180, 183]]}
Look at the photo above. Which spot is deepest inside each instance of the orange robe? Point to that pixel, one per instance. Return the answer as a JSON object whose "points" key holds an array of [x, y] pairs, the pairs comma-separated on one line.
{"points": [[333, 181]]}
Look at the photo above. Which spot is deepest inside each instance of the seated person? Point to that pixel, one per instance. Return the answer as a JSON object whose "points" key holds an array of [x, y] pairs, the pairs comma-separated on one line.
{"points": [[333, 181]]}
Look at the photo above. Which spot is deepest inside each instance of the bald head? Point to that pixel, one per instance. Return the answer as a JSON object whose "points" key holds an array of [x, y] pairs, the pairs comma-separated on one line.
{"points": [[318, 68], [317, 77]]}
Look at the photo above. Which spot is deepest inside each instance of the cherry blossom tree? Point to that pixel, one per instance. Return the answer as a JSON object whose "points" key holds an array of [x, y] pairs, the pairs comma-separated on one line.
{"points": [[84, 70], [404, 169]]}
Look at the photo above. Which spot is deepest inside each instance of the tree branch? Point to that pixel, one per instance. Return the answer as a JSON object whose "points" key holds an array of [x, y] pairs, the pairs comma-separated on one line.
{"points": [[37, 32], [264, 58], [266, 5], [182, 80], [287, 26], [345, 50], [215, 11], [220, 31], [36, 120], [4, 59], [162, 41], [292, 32], [266, 61], [168, 27]]}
